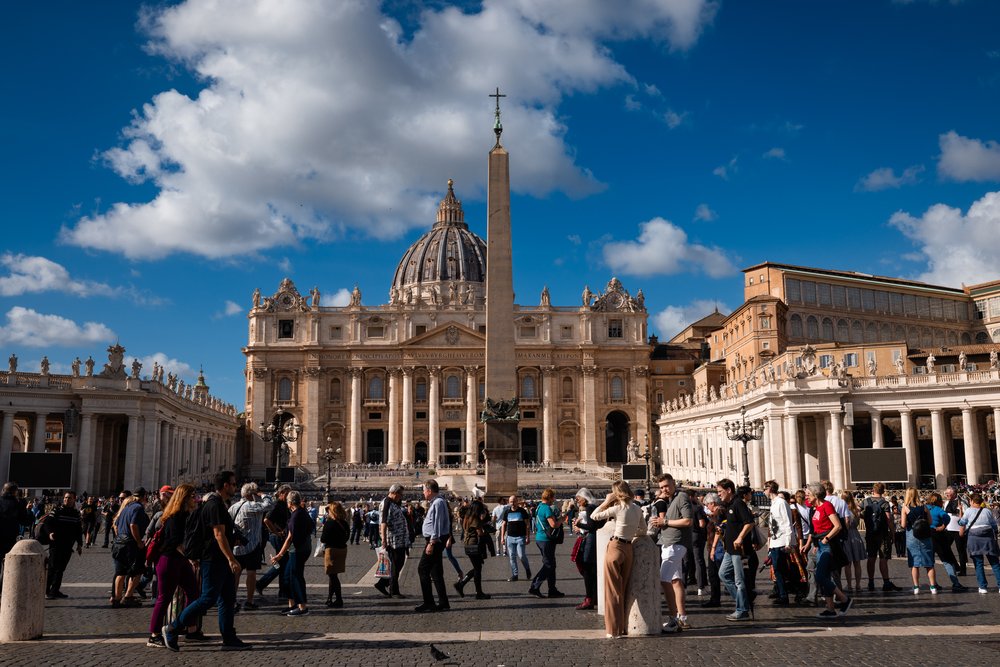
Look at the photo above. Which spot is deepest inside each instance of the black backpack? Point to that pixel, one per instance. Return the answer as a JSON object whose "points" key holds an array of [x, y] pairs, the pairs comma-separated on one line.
{"points": [[875, 514], [921, 526], [196, 534]]}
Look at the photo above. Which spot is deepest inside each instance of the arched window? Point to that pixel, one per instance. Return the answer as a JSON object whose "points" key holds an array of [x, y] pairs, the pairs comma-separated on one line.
{"points": [[567, 387], [617, 388], [812, 328], [843, 331], [898, 333], [452, 387], [376, 388], [857, 332], [284, 389], [966, 339], [528, 387], [827, 328], [335, 390], [885, 333], [871, 333], [982, 337], [796, 322], [952, 338]]}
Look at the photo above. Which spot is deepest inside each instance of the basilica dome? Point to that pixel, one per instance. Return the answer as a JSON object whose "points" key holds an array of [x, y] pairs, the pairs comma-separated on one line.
{"points": [[449, 253]]}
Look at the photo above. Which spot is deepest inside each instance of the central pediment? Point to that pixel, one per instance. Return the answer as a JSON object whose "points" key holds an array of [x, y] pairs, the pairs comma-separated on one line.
{"points": [[449, 334]]}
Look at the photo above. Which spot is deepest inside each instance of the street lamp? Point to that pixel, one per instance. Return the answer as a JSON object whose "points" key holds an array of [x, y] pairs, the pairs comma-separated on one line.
{"points": [[283, 433], [647, 456], [745, 431], [329, 454]]}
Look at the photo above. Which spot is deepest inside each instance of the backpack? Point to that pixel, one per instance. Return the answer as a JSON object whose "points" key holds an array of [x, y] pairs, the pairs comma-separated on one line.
{"points": [[42, 530], [921, 526], [196, 535], [155, 547], [874, 514]]}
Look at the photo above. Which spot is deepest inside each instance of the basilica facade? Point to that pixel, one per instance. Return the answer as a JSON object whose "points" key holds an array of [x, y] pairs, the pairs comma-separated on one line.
{"points": [[402, 382]]}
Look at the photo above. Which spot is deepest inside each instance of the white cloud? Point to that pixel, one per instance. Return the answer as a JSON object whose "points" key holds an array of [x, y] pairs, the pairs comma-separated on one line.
{"points": [[285, 265], [724, 171], [776, 153], [340, 298], [180, 368], [632, 104], [964, 159], [29, 275], [673, 319], [705, 214], [232, 308], [885, 178], [574, 239], [663, 248], [33, 329], [320, 117], [958, 248], [674, 119]]}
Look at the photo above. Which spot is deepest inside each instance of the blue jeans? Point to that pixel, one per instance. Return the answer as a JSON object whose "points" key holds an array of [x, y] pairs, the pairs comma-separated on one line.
{"points": [[824, 562], [731, 573], [977, 561], [778, 558], [275, 571], [515, 552], [294, 575], [218, 586], [547, 572]]}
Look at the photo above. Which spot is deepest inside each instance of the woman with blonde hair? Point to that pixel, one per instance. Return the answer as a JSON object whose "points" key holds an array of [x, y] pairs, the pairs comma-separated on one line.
{"points": [[548, 534], [336, 532], [620, 508], [919, 548], [173, 569], [854, 547]]}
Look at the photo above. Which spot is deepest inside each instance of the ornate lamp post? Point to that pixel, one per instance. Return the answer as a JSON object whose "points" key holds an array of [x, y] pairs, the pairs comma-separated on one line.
{"points": [[744, 431], [330, 454], [283, 433], [648, 455]]}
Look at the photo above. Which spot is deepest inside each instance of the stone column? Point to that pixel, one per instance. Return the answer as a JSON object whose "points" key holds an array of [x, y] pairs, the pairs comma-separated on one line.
{"points": [[471, 401], [85, 454], [792, 453], [640, 392], [148, 474], [434, 415], [312, 431], [836, 451], [589, 419], [775, 437], [970, 437], [822, 423], [548, 406], [6, 443], [163, 471], [354, 455], [756, 463], [942, 457], [38, 434], [996, 433], [910, 445], [408, 447], [133, 453], [393, 457], [876, 417]]}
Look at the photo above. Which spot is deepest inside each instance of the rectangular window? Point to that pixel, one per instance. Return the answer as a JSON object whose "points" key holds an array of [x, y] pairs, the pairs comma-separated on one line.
{"points": [[923, 307], [870, 356], [529, 414], [882, 301], [767, 345], [567, 332], [981, 309], [419, 329], [793, 290], [868, 299], [376, 332], [482, 329], [374, 416], [421, 414], [286, 328], [909, 304], [851, 360], [896, 301], [854, 298], [751, 280], [839, 296], [615, 329], [823, 290], [937, 312], [336, 332], [808, 291], [681, 383], [529, 332], [950, 309], [896, 355], [825, 360]]}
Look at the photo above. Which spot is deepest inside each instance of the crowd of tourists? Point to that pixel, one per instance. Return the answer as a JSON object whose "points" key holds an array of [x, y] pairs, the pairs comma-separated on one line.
{"points": [[190, 550]]}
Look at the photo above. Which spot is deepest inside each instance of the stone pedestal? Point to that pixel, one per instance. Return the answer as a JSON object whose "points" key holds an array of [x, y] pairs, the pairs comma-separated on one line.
{"points": [[644, 592], [22, 608], [603, 537], [501, 459]]}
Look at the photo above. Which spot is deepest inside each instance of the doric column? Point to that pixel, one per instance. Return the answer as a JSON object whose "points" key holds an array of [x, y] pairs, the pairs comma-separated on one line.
{"points": [[163, 471], [408, 448], [970, 436], [355, 433], [548, 407], [776, 451], [6, 443], [133, 453], [38, 435], [393, 417], [312, 432], [822, 428], [876, 417], [910, 445], [589, 418], [836, 451], [942, 457], [792, 453], [148, 474], [756, 463], [85, 454], [471, 401], [434, 409]]}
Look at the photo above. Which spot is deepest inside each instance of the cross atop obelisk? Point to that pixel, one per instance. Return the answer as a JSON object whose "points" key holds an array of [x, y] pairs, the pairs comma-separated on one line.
{"points": [[500, 413]]}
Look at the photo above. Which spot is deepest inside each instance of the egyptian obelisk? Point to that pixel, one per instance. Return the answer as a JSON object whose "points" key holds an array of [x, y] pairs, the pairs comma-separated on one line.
{"points": [[501, 414]]}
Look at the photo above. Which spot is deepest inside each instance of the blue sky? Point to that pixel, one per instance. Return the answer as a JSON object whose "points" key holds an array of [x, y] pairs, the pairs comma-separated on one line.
{"points": [[160, 163]]}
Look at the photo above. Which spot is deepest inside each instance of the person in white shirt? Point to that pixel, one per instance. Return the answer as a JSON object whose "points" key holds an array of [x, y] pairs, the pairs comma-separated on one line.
{"points": [[782, 539], [627, 517]]}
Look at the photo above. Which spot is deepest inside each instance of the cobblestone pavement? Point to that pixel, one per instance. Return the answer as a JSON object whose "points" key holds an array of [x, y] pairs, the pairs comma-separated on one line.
{"points": [[516, 629]]}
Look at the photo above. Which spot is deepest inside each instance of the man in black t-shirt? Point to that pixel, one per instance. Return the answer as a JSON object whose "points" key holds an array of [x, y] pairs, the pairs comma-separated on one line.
{"points": [[735, 539], [276, 522], [514, 524], [219, 568]]}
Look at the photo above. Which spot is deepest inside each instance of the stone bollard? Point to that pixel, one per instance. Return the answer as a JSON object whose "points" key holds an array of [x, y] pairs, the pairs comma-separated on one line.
{"points": [[603, 537], [644, 592], [22, 607]]}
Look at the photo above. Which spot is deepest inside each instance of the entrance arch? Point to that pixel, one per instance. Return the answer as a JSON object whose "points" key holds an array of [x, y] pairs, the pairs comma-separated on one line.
{"points": [[420, 452], [616, 434]]}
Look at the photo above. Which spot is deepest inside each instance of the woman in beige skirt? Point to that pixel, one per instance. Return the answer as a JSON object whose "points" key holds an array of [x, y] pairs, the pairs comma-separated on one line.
{"points": [[335, 533]]}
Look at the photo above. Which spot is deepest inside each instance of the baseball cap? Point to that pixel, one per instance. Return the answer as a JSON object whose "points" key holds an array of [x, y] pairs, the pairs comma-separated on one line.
{"points": [[166, 488]]}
